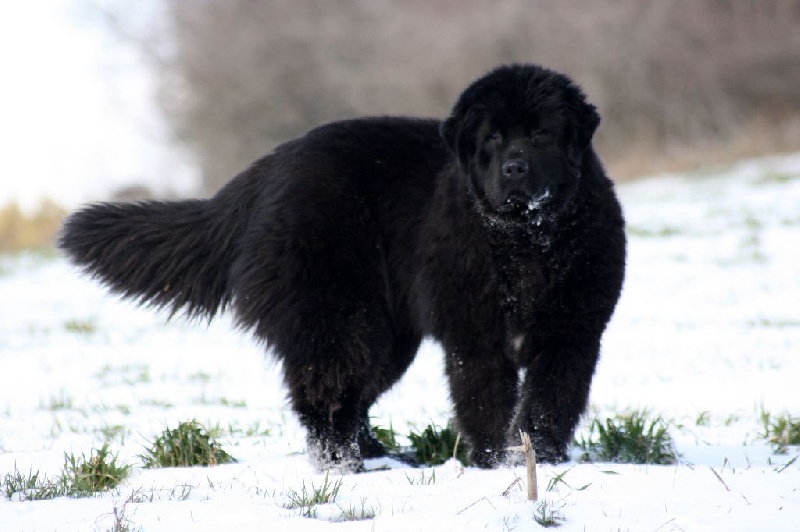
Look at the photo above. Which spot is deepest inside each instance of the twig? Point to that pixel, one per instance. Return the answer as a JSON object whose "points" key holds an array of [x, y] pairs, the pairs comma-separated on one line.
{"points": [[508, 489], [665, 524], [476, 502], [719, 478], [783, 468]]}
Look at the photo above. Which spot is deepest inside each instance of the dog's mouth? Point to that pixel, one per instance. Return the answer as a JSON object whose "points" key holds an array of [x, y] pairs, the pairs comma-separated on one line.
{"points": [[521, 203]]}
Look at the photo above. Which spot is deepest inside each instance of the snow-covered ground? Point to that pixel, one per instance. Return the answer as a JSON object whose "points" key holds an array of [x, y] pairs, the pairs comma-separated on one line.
{"points": [[707, 334]]}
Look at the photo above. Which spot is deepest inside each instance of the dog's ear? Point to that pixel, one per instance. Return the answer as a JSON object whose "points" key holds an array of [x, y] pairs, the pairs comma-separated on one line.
{"points": [[448, 129], [584, 122], [587, 121], [453, 131]]}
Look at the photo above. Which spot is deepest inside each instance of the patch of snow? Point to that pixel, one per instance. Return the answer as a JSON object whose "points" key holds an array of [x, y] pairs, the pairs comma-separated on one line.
{"points": [[536, 202], [707, 329]]}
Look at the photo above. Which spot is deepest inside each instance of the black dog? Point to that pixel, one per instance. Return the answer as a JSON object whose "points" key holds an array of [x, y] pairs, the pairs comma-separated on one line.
{"points": [[496, 232]]}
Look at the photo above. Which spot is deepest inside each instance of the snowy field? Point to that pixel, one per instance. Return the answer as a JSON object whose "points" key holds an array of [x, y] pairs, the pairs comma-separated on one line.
{"points": [[707, 335]]}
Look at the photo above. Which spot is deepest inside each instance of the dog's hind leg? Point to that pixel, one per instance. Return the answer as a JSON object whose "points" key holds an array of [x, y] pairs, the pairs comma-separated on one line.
{"points": [[332, 425], [311, 285], [392, 369], [333, 377]]}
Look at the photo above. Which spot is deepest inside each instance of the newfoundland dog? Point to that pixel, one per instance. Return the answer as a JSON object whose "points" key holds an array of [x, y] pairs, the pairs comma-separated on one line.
{"points": [[496, 232]]}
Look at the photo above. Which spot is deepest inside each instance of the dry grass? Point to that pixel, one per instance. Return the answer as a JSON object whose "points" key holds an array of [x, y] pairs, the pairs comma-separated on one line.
{"points": [[37, 230], [764, 135]]}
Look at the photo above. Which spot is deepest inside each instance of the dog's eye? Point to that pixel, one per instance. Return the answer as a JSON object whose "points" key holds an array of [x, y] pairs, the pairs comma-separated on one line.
{"points": [[539, 136], [494, 136]]}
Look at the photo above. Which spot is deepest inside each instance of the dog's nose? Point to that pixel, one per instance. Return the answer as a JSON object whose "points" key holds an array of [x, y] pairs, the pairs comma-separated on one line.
{"points": [[515, 168]]}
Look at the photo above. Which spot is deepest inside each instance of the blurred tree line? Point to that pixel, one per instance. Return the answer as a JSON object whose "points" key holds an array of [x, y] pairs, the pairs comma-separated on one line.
{"points": [[238, 77]]}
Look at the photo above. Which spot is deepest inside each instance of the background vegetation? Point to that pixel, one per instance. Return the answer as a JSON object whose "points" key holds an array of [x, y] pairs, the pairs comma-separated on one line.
{"points": [[29, 230], [677, 83]]}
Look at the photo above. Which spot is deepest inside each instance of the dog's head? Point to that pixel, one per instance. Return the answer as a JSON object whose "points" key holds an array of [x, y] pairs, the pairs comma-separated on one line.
{"points": [[520, 134]]}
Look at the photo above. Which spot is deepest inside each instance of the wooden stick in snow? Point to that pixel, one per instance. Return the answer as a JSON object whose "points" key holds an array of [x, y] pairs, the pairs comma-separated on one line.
{"points": [[530, 460], [455, 447]]}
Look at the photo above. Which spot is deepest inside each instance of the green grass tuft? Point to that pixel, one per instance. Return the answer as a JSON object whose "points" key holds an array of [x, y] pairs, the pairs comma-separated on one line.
{"points": [[188, 445], [59, 402], [703, 419], [307, 499], [628, 439], [81, 477], [33, 486], [423, 480], [435, 445], [387, 437], [546, 514], [353, 513], [114, 432], [99, 472], [558, 479], [780, 431]]}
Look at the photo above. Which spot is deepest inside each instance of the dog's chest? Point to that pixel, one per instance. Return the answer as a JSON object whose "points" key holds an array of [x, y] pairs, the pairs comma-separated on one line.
{"points": [[522, 281], [522, 278]]}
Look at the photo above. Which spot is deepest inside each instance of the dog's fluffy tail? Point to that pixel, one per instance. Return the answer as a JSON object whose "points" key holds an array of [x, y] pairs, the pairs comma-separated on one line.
{"points": [[175, 255]]}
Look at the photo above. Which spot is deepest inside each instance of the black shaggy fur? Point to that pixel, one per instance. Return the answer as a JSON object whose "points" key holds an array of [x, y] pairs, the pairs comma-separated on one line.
{"points": [[496, 232]]}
